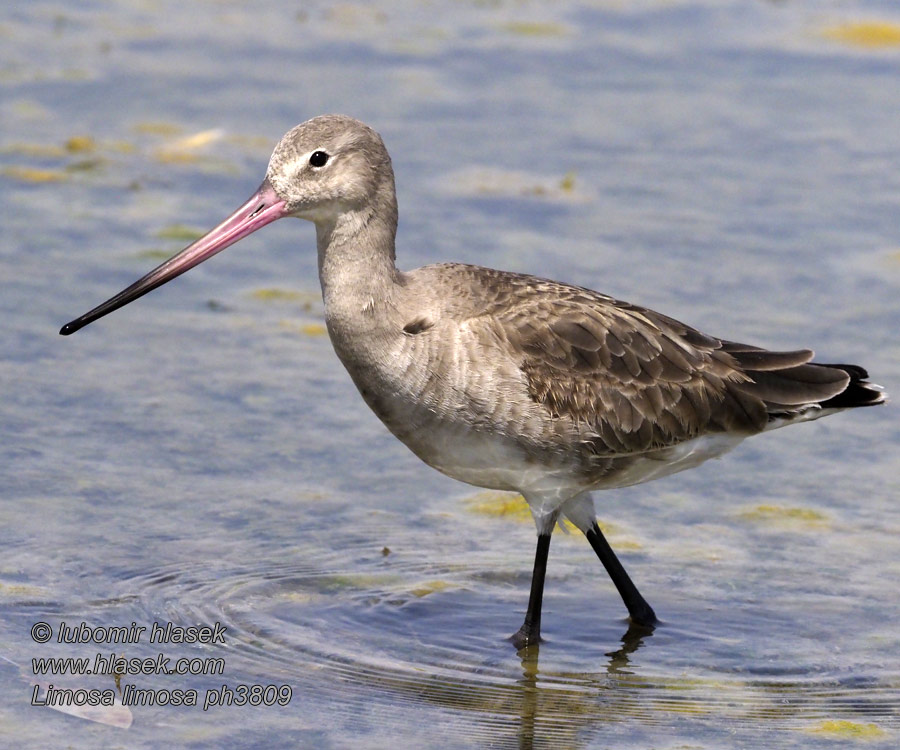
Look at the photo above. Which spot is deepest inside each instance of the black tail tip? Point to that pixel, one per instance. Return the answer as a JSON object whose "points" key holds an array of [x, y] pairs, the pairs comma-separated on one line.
{"points": [[859, 391]]}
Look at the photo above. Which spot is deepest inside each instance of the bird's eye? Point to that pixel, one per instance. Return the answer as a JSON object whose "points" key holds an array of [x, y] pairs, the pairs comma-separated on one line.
{"points": [[318, 159]]}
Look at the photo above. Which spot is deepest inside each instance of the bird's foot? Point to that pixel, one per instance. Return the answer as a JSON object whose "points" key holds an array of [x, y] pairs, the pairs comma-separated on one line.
{"points": [[643, 616], [526, 636]]}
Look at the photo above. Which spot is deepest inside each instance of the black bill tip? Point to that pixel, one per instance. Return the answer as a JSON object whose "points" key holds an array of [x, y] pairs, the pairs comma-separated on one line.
{"points": [[70, 328]]}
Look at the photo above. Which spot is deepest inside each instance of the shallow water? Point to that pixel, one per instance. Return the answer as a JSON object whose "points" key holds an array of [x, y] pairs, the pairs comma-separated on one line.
{"points": [[200, 457]]}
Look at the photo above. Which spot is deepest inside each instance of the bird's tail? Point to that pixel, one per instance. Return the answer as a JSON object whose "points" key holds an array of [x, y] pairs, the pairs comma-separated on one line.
{"points": [[790, 385], [859, 391]]}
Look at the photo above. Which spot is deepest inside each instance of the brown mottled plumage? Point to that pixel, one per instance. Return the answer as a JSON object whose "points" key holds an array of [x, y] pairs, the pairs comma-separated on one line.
{"points": [[505, 380]]}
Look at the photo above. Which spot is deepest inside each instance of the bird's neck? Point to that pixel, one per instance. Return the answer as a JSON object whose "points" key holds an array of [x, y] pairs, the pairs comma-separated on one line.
{"points": [[356, 265]]}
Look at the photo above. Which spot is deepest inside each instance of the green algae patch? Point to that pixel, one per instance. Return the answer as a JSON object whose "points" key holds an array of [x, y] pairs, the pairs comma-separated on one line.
{"points": [[39, 150], [34, 175], [360, 582], [180, 232], [500, 183], [536, 28], [303, 298], [844, 729], [273, 294], [93, 164], [870, 34], [784, 514], [504, 505], [18, 590], [431, 587], [78, 154], [154, 254], [313, 329], [188, 149], [499, 504], [80, 144]]}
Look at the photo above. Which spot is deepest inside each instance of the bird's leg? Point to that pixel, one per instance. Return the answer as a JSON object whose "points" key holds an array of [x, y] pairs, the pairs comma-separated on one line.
{"points": [[530, 632], [641, 612]]}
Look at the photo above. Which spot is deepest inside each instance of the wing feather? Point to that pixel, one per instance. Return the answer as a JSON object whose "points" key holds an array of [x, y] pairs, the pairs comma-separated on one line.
{"points": [[627, 379], [634, 380]]}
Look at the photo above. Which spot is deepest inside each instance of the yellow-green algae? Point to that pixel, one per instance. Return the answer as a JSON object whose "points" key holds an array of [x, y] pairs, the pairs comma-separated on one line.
{"points": [[304, 298], [180, 232], [362, 581], [567, 183], [313, 329], [515, 184], [782, 513], [78, 144], [493, 503], [273, 294], [305, 329], [185, 149], [154, 254], [430, 587], [536, 28], [40, 150], [870, 34], [844, 729], [34, 175], [513, 506], [16, 590]]}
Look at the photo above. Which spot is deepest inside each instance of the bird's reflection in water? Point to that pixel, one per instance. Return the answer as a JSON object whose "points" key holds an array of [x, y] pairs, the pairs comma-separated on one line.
{"points": [[529, 728], [631, 642]]}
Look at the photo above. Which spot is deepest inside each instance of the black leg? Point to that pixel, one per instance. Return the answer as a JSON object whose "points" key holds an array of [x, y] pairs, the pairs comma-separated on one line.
{"points": [[641, 612], [530, 632]]}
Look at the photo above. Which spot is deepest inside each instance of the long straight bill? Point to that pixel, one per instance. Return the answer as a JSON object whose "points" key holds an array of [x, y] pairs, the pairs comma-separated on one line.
{"points": [[262, 208]]}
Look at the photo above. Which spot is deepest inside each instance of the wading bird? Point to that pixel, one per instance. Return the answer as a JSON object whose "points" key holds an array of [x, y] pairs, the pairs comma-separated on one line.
{"points": [[508, 381]]}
